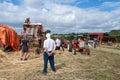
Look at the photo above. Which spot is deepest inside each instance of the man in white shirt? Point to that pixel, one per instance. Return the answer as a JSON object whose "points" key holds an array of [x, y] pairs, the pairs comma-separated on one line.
{"points": [[58, 43], [49, 48]]}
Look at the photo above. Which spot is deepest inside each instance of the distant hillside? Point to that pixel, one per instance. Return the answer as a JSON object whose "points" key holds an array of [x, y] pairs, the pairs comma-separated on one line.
{"points": [[114, 33]]}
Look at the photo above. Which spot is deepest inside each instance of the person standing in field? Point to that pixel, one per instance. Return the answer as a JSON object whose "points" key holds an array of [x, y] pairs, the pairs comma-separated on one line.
{"points": [[95, 42], [24, 43], [49, 49], [62, 44], [58, 44]]}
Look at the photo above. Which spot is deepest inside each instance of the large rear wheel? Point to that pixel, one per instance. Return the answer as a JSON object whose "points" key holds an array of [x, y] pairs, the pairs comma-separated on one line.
{"points": [[37, 50], [87, 51]]}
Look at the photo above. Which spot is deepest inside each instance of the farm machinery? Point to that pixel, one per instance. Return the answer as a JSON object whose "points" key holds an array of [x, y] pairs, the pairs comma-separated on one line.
{"points": [[77, 46], [35, 34]]}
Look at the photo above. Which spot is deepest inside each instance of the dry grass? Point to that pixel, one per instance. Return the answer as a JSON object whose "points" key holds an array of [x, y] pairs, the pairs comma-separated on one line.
{"points": [[3, 56], [102, 64]]}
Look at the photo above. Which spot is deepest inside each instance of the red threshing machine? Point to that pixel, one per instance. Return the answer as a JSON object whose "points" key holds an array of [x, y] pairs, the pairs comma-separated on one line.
{"points": [[34, 32]]}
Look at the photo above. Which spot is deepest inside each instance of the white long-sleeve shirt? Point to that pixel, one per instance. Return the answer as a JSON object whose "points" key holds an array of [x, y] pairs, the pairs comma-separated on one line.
{"points": [[49, 44], [58, 42]]}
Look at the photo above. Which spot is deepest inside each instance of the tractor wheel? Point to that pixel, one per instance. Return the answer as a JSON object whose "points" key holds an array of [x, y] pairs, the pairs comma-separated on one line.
{"points": [[37, 51], [88, 51]]}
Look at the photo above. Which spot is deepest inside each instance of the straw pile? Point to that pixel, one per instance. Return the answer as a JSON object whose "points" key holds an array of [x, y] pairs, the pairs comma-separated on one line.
{"points": [[3, 56]]}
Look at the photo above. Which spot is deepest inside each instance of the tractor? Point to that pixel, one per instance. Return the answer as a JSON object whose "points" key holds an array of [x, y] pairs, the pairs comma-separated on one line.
{"points": [[78, 46]]}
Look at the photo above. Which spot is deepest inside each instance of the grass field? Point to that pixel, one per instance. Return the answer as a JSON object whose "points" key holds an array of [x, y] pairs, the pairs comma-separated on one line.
{"points": [[102, 64]]}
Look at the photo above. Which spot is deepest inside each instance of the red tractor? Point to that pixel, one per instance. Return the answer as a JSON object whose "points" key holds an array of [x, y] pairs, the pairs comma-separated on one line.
{"points": [[78, 45]]}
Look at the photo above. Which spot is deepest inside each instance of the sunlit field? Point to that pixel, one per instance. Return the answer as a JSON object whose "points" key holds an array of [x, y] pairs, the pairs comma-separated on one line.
{"points": [[102, 64]]}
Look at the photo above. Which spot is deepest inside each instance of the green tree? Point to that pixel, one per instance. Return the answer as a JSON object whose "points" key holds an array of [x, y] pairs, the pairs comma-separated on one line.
{"points": [[48, 31]]}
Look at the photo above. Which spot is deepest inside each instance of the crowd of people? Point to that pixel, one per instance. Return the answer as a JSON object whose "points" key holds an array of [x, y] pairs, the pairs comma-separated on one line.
{"points": [[51, 47]]}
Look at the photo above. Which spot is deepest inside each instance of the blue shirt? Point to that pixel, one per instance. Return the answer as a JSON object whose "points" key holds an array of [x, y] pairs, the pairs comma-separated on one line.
{"points": [[24, 42]]}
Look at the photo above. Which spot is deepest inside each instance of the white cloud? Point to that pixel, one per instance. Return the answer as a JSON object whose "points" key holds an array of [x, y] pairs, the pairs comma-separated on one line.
{"points": [[59, 16], [111, 4]]}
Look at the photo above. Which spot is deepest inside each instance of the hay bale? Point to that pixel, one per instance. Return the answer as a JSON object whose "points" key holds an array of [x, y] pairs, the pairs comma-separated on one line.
{"points": [[3, 56]]}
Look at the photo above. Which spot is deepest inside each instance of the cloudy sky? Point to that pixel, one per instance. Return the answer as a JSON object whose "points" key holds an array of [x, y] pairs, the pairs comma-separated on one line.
{"points": [[62, 16]]}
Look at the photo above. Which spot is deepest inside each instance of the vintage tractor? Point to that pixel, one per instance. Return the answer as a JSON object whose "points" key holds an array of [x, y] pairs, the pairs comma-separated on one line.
{"points": [[77, 46], [34, 32]]}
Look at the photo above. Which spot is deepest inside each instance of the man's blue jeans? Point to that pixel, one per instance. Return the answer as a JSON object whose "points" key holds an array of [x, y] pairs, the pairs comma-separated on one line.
{"points": [[51, 60]]}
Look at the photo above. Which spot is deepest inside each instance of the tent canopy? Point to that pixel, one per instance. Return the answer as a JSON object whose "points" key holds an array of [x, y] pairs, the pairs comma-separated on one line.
{"points": [[9, 37]]}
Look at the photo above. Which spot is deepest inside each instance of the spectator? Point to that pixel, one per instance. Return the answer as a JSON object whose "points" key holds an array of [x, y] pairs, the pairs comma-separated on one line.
{"points": [[62, 44], [24, 44], [58, 43], [49, 48], [95, 43]]}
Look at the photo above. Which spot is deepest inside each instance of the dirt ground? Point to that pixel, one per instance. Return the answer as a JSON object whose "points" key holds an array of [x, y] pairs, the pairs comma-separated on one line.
{"points": [[102, 64]]}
